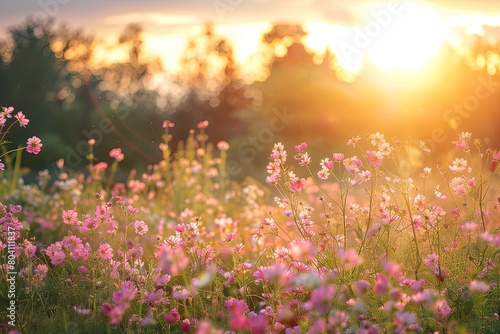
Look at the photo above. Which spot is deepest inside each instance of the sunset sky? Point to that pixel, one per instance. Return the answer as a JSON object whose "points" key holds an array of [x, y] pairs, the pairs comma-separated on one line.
{"points": [[401, 34]]}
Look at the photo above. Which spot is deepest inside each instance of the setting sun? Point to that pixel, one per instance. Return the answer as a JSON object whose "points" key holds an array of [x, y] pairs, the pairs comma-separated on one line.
{"points": [[414, 37], [403, 40]]}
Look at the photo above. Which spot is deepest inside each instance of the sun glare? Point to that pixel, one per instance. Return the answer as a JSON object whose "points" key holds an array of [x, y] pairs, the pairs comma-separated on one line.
{"points": [[324, 35], [413, 38], [406, 42]]}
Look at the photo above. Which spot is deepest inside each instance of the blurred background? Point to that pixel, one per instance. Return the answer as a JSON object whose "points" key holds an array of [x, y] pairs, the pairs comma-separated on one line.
{"points": [[320, 71]]}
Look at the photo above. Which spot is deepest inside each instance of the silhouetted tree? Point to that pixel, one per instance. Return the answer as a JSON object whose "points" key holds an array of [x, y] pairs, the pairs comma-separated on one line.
{"points": [[212, 87], [29, 80]]}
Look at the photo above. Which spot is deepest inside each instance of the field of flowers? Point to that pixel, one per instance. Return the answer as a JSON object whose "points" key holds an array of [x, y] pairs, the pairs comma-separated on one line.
{"points": [[377, 242]]}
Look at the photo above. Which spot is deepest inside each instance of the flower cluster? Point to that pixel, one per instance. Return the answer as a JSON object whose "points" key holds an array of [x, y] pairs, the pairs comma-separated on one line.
{"points": [[33, 144], [354, 243]]}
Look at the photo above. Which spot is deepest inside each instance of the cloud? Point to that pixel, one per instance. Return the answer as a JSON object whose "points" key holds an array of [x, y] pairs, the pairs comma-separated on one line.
{"points": [[151, 18]]}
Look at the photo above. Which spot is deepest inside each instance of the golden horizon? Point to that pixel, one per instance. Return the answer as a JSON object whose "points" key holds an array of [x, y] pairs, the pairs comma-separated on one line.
{"points": [[401, 42]]}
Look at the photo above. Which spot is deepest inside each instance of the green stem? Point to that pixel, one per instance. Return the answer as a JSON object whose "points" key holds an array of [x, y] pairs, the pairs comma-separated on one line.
{"points": [[17, 168], [19, 149], [481, 201], [369, 217], [439, 252], [418, 261], [7, 131], [109, 182], [223, 174]]}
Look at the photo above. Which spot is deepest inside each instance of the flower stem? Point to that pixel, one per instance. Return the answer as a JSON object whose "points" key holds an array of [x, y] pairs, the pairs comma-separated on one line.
{"points": [[17, 168]]}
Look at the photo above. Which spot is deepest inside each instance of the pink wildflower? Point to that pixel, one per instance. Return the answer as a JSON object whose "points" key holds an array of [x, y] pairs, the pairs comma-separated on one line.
{"points": [[305, 159], [116, 154], [338, 157], [23, 121], [34, 145], [99, 167], [458, 165], [381, 285], [173, 316], [178, 292], [69, 217], [303, 250], [202, 124], [405, 318], [479, 286], [376, 139], [162, 281], [171, 262], [6, 111], [352, 164], [235, 306], [29, 248], [422, 145], [468, 227], [126, 294], [327, 164], [223, 146], [238, 322], [136, 185], [58, 257], [462, 142], [131, 209], [230, 236], [442, 310], [491, 239], [281, 254], [89, 223], [361, 287], [301, 147], [432, 261], [461, 145], [419, 202], [274, 178], [391, 268], [106, 308], [185, 326], [278, 153], [426, 296], [72, 242], [167, 124], [349, 258], [140, 227], [278, 327], [375, 158], [339, 318], [83, 269], [105, 252], [40, 272], [297, 184], [153, 297], [322, 297], [354, 141]]}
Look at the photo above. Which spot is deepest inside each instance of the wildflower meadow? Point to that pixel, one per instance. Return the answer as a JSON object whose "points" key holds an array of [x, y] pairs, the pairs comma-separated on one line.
{"points": [[381, 241]]}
